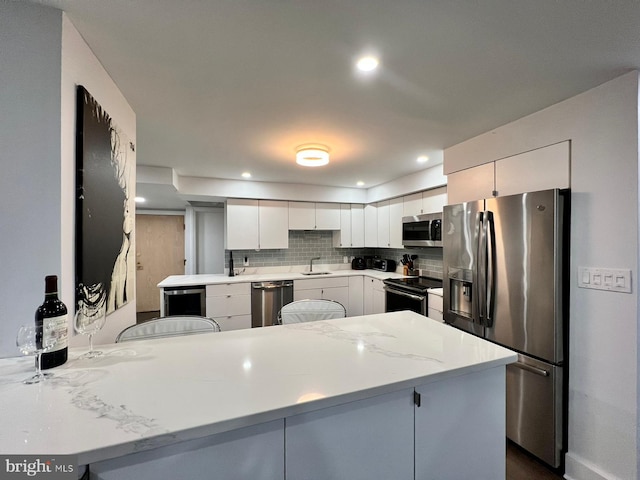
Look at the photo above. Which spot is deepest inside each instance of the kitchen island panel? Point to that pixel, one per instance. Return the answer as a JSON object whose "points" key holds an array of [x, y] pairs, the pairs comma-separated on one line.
{"points": [[255, 453]]}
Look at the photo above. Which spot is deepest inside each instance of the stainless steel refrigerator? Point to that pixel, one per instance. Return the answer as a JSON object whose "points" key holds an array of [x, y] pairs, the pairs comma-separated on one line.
{"points": [[505, 263]]}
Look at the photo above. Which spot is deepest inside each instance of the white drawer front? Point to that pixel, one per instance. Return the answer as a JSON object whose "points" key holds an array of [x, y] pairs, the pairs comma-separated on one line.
{"points": [[310, 283], [435, 302], [224, 306], [224, 289], [234, 322], [434, 314]]}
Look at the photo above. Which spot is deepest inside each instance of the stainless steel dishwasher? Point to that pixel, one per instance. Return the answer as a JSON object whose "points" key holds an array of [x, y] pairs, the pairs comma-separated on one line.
{"points": [[267, 298]]}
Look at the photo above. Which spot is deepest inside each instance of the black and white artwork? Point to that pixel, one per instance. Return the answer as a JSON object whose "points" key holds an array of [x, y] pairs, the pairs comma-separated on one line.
{"points": [[105, 263]]}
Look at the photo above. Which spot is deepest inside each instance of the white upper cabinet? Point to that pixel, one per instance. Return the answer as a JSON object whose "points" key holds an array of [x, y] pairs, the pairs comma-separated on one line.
{"points": [[412, 205], [357, 225], [383, 224], [395, 222], [370, 226], [471, 184], [429, 201], [434, 200], [273, 224], [327, 216], [241, 219], [342, 237], [302, 216], [540, 169], [389, 223], [314, 216], [351, 233], [256, 224]]}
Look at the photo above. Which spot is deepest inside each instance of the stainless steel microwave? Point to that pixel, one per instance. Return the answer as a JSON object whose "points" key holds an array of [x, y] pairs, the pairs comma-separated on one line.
{"points": [[422, 230]]}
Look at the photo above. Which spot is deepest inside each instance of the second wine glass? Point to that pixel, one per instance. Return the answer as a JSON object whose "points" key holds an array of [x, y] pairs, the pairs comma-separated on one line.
{"points": [[89, 322], [35, 340]]}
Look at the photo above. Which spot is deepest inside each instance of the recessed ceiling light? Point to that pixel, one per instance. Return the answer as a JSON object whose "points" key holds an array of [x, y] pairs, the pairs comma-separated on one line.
{"points": [[140, 199], [367, 64], [360, 183], [423, 159], [246, 175], [312, 155]]}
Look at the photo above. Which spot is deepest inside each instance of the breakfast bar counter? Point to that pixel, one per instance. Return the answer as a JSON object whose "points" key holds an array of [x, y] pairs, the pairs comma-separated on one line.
{"points": [[227, 399]]}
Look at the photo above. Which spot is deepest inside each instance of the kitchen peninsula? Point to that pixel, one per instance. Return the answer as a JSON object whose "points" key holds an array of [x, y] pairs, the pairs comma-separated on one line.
{"points": [[394, 395]]}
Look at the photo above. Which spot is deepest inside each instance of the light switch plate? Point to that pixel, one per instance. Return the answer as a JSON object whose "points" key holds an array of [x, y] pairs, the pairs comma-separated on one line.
{"points": [[610, 279]]}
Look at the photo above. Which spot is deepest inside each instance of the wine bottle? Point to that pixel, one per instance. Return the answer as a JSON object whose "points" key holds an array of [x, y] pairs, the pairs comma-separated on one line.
{"points": [[54, 312]]}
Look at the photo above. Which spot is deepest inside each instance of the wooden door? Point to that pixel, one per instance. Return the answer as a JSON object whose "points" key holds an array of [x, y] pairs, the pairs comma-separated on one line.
{"points": [[159, 253]]}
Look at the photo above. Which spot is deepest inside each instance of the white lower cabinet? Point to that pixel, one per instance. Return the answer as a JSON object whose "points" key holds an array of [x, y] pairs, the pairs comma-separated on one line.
{"points": [[336, 289], [434, 306], [356, 296], [451, 428], [460, 427], [363, 440], [374, 297], [255, 452], [448, 429], [229, 304]]}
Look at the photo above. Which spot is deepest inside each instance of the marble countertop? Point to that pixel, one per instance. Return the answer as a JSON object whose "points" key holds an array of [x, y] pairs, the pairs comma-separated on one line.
{"points": [[150, 393], [212, 279]]}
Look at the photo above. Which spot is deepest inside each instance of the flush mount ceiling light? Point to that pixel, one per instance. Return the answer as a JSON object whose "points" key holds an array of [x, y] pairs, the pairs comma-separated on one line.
{"points": [[360, 183], [367, 64], [312, 155], [423, 159], [140, 199], [246, 175]]}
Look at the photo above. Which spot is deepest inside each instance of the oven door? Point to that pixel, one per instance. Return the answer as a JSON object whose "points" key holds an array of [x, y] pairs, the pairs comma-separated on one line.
{"points": [[398, 300]]}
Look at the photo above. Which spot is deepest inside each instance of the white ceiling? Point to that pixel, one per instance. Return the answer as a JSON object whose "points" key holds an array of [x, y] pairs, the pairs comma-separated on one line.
{"points": [[225, 86]]}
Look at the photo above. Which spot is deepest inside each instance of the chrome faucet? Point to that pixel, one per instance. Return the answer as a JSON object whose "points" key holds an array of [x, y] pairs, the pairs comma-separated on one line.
{"points": [[311, 263]]}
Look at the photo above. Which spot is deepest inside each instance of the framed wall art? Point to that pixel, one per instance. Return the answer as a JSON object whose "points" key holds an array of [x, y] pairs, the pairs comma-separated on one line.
{"points": [[105, 212]]}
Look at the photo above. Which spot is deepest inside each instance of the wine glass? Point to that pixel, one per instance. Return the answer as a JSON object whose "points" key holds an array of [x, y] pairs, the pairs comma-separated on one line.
{"points": [[35, 340], [89, 322]]}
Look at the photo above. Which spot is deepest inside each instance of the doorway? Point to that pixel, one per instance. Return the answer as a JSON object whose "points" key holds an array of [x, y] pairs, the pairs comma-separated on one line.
{"points": [[159, 253]]}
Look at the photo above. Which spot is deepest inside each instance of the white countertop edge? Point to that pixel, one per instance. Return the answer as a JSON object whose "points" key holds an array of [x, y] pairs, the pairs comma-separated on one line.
{"points": [[215, 279], [203, 431]]}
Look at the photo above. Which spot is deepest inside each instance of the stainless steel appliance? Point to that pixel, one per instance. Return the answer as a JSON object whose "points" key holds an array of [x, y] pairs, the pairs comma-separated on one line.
{"points": [[384, 265], [505, 270], [185, 301], [267, 298], [409, 293], [422, 230]]}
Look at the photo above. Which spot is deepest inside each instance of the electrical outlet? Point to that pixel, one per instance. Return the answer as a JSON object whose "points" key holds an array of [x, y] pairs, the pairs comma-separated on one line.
{"points": [[611, 279], [246, 262]]}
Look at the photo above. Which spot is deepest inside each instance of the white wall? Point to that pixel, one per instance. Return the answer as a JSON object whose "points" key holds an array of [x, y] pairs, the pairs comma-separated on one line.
{"points": [[210, 240], [602, 125], [81, 67], [30, 240]]}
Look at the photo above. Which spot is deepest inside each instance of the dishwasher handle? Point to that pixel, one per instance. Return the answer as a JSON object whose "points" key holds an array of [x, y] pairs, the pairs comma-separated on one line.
{"points": [[271, 286]]}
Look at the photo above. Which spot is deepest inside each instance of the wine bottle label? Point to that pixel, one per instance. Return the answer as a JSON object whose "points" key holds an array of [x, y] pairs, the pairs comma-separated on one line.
{"points": [[57, 332]]}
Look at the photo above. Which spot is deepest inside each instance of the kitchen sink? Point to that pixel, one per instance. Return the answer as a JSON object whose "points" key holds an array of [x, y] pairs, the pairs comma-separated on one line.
{"points": [[316, 273]]}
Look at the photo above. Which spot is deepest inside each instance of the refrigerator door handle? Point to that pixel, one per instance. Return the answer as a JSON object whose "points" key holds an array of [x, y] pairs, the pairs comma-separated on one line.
{"points": [[479, 271], [481, 259], [490, 248], [529, 368]]}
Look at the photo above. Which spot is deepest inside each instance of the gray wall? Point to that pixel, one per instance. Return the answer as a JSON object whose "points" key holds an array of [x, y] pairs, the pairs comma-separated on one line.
{"points": [[30, 123], [303, 245]]}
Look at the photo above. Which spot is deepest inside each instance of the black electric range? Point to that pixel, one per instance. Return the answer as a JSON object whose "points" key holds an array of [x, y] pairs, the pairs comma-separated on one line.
{"points": [[414, 284]]}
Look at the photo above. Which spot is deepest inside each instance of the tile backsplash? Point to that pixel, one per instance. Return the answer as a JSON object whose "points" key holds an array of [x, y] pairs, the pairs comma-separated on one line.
{"points": [[305, 244]]}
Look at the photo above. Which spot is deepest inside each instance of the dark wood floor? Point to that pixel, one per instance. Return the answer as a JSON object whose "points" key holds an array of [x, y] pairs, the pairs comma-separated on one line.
{"points": [[522, 466]]}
